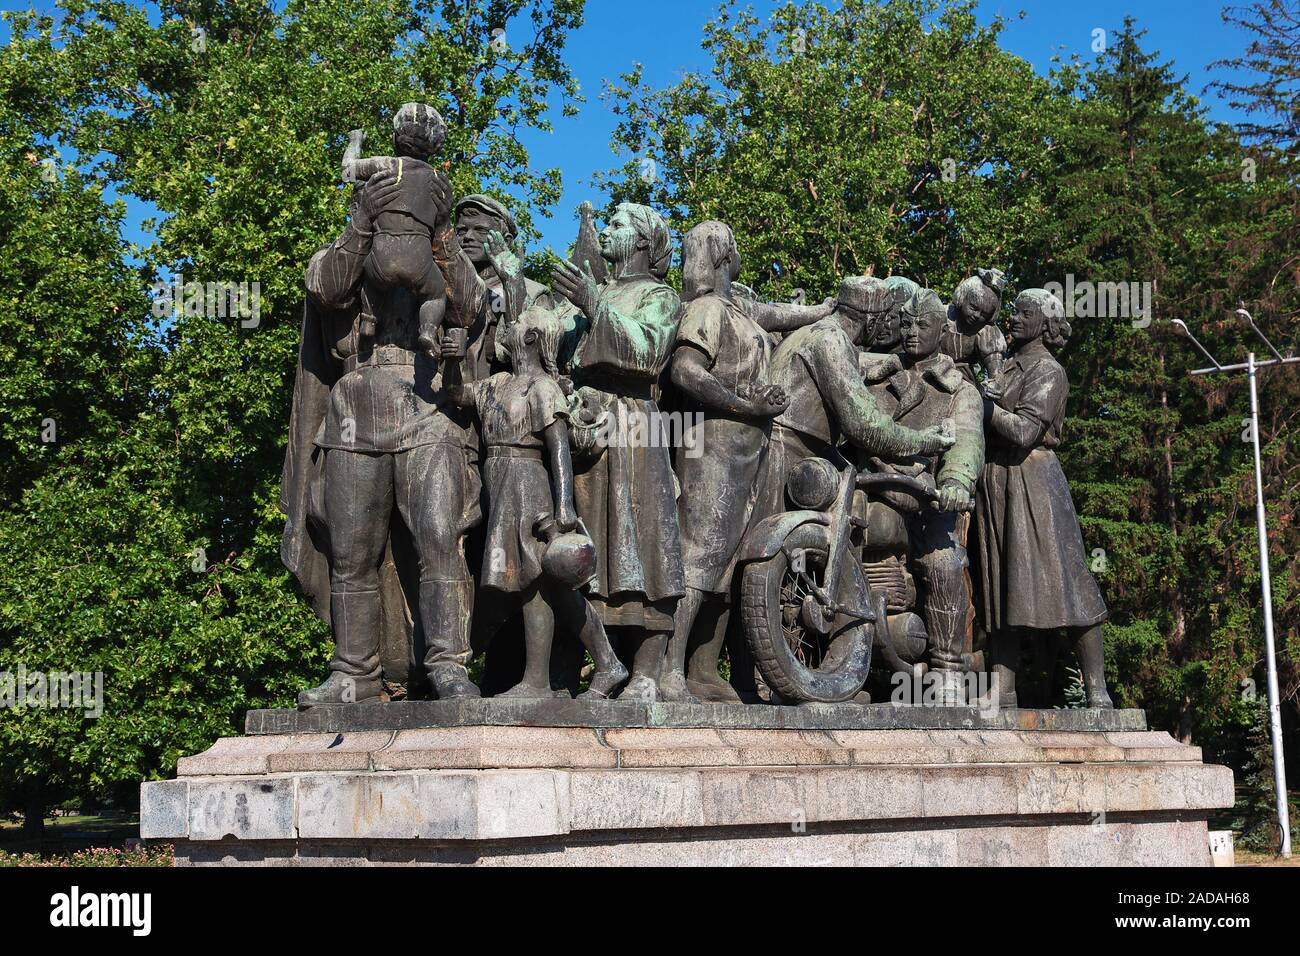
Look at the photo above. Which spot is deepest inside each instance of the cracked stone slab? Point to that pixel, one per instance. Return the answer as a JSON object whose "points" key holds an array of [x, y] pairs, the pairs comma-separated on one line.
{"points": [[495, 747], [308, 752], [504, 746], [234, 755], [242, 808]]}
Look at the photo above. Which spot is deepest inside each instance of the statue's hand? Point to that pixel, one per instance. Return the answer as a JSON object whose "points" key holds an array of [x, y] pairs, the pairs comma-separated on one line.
{"points": [[441, 193], [566, 519], [953, 497], [769, 402], [991, 388], [876, 367], [576, 285], [379, 191], [453, 345], [502, 257], [935, 439]]}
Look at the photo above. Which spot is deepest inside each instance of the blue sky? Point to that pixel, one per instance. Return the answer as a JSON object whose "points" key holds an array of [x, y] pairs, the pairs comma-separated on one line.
{"points": [[666, 41]]}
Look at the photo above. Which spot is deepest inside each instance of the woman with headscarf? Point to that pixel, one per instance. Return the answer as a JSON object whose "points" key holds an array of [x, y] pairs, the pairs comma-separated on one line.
{"points": [[972, 336], [626, 497], [1033, 576]]}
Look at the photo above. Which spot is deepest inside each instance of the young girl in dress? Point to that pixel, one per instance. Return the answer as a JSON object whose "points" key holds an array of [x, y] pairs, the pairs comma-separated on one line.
{"points": [[523, 418]]}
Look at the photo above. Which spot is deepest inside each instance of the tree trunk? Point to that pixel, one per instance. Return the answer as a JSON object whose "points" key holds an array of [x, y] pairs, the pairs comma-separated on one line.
{"points": [[34, 816]]}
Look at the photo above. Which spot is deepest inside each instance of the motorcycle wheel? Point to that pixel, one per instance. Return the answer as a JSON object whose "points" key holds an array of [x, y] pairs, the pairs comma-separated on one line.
{"points": [[799, 662]]}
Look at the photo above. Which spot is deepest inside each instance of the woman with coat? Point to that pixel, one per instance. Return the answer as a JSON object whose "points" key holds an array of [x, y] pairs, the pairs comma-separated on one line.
{"points": [[1033, 577]]}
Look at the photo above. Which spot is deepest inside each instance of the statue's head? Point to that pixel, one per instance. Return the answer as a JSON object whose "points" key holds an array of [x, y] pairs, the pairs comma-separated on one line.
{"points": [[636, 234], [887, 337], [1037, 313], [418, 130], [977, 298], [535, 341], [476, 216], [710, 260], [862, 303], [921, 323]]}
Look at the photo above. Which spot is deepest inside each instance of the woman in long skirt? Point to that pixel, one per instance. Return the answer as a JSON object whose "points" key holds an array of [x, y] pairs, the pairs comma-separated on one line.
{"points": [[1033, 575], [720, 367]]}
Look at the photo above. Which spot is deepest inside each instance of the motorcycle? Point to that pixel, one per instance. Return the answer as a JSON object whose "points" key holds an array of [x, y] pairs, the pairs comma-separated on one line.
{"points": [[810, 614]]}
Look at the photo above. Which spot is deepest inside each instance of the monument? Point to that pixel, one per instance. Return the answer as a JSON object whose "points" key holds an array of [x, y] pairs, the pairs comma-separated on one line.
{"points": [[783, 534]]}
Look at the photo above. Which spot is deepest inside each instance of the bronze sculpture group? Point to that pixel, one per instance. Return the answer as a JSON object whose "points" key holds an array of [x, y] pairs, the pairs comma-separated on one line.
{"points": [[873, 476]]}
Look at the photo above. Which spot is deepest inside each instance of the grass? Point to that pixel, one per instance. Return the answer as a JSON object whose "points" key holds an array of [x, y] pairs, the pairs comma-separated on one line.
{"points": [[1254, 858], [114, 839]]}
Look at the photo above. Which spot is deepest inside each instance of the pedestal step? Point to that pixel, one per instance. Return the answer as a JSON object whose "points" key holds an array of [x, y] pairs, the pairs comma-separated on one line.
{"points": [[678, 796]]}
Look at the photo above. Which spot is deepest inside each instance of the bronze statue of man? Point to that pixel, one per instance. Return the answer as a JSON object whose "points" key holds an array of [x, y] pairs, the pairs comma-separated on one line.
{"points": [[817, 368], [926, 391], [889, 336], [385, 452], [626, 497], [488, 290]]}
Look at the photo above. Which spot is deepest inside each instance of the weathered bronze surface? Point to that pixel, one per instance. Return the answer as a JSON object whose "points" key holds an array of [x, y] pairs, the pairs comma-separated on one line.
{"points": [[1034, 579], [928, 389], [616, 462]]}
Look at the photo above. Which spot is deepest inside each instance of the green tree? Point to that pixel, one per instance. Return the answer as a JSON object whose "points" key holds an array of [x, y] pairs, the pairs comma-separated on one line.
{"points": [[1140, 193], [1265, 80], [145, 544], [1150, 190], [881, 137], [79, 356]]}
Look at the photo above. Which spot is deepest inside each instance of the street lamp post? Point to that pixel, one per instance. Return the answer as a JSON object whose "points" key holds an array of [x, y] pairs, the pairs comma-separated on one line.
{"points": [[1270, 652]]}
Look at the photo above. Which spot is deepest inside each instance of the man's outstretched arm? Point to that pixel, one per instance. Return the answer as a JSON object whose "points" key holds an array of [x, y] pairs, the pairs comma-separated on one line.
{"points": [[835, 365]]}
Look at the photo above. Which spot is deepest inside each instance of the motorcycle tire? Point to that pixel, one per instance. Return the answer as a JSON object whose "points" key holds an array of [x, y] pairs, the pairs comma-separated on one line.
{"points": [[799, 663]]}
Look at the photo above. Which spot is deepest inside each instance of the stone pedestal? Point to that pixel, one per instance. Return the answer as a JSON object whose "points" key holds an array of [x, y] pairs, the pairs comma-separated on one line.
{"points": [[577, 783]]}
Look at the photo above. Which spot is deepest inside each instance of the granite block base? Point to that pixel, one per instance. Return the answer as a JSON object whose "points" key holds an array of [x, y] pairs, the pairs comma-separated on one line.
{"points": [[515, 794]]}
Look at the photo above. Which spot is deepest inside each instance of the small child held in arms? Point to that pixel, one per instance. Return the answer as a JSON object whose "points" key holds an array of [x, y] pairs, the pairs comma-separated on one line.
{"points": [[401, 252], [972, 336]]}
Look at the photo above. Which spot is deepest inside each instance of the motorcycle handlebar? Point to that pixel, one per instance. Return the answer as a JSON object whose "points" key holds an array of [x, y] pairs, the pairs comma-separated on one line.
{"points": [[868, 479]]}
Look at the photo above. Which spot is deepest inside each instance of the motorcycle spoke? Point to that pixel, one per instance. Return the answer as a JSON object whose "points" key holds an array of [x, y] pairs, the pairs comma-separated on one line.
{"points": [[796, 588]]}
